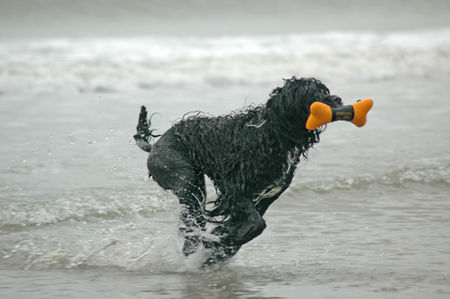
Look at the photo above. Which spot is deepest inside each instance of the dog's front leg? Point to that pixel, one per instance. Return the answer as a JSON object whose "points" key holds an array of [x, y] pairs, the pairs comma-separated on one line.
{"points": [[218, 253], [244, 225]]}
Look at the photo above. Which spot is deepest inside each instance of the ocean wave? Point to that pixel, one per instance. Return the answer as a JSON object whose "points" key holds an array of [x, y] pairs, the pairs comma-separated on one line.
{"points": [[81, 206], [434, 175], [114, 204], [113, 65]]}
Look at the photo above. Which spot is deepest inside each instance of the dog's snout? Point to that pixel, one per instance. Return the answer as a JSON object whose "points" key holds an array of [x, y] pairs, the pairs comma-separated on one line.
{"points": [[333, 101]]}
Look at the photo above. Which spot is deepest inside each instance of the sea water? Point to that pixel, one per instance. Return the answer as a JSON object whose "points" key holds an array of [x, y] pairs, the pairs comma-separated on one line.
{"points": [[367, 215]]}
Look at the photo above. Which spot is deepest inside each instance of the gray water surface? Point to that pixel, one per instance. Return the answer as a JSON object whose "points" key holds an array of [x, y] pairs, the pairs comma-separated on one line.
{"points": [[367, 215]]}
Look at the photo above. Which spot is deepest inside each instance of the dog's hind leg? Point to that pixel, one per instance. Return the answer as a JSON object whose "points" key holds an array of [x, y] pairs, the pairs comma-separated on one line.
{"points": [[172, 170], [190, 197], [188, 186]]}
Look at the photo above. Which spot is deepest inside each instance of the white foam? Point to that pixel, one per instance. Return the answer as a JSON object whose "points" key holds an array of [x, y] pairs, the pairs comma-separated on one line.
{"points": [[111, 65], [81, 206], [430, 174]]}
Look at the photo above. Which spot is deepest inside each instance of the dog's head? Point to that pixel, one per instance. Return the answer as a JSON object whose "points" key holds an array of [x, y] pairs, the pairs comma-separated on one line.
{"points": [[290, 104], [292, 101]]}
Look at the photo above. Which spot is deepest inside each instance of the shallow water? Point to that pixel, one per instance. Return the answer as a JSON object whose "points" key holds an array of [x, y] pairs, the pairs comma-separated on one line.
{"points": [[367, 215]]}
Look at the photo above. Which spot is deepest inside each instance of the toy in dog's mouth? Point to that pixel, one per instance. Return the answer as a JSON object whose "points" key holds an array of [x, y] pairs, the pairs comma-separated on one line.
{"points": [[321, 114]]}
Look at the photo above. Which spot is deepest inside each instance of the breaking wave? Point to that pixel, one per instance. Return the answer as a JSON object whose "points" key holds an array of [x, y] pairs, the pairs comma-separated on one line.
{"points": [[114, 204], [436, 175], [112, 65], [81, 206]]}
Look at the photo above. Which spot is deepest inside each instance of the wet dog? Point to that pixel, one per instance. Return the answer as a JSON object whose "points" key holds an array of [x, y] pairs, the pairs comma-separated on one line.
{"points": [[250, 157]]}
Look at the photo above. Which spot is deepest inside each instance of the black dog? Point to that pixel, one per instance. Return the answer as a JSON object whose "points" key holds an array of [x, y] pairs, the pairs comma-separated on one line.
{"points": [[249, 156]]}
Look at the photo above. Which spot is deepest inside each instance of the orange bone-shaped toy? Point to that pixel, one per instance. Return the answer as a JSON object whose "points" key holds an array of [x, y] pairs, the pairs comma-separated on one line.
{"points": [[322, 114]]}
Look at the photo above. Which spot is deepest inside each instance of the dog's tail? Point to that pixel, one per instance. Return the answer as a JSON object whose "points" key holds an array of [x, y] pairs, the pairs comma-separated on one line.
{"points": [[143, 131]]}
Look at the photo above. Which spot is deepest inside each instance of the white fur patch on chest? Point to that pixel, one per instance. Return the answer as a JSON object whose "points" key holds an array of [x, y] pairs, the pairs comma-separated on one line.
{"points": [[276, 187]]}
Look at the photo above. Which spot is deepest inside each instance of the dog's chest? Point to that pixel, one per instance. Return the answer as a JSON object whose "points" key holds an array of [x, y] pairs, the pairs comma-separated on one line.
{"points": [[278, 186]]}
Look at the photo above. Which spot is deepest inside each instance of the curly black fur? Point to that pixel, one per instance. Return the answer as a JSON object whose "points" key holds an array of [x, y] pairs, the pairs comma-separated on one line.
{"points": [[250, 156]]}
